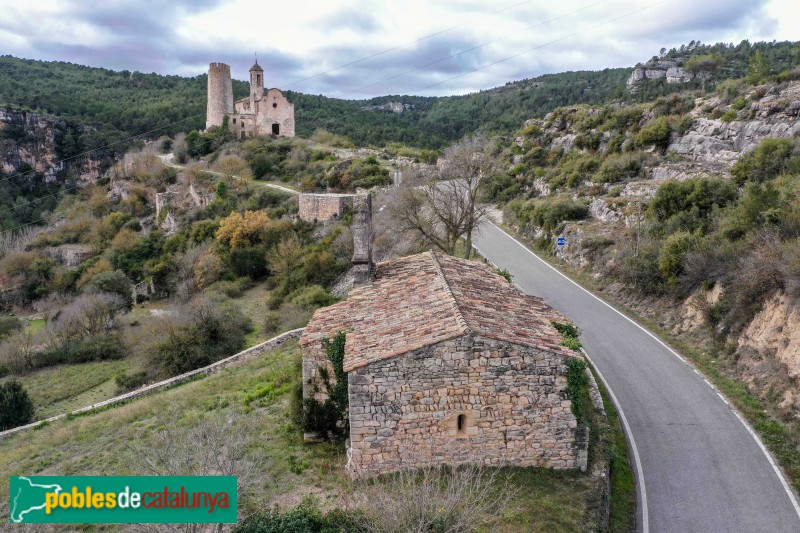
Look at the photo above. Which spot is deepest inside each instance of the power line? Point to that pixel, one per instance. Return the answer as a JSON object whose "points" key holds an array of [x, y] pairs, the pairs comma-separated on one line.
{"points": [[472, 49], [132, 137], [125, 140], [542, 45], [417, 90], [392, 49]]}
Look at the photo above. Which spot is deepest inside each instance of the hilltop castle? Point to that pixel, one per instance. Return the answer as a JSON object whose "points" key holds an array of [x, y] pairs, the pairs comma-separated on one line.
{"points": [[257, 114]]}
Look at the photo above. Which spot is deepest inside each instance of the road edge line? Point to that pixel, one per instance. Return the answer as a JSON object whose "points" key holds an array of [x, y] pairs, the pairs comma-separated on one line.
{"points": [[626, 428], [786, 487], [631, 443]]}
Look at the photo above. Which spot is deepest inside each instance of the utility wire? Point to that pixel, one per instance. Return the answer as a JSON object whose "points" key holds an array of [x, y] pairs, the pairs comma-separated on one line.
{"points": [[506, 36], [132, 137], [609, 21], [392, 49], [417, 90]]}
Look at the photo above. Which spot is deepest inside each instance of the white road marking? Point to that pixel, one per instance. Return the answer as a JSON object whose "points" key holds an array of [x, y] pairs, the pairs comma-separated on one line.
{"points": [[636, 460], [778, 471]]}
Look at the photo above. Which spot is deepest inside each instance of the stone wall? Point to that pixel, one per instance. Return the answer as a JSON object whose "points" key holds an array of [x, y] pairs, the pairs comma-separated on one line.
{"points": [[404, 411], [321, 207], [220, 94], [246, 355]]}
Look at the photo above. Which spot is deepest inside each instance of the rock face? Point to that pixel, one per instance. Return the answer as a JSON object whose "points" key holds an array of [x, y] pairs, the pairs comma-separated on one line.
{"points": [[669, 69], [38, 141], [70, 255], [393, 107], [717, 144], [776, 330]]}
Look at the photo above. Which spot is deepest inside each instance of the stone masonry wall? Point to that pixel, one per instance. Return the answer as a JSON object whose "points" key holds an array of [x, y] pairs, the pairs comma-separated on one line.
{"points": [[220, 94], [404, 411], [321, 207]]}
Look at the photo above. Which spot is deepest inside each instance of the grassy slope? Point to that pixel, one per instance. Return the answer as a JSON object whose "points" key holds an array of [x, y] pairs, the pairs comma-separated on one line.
{"points": [[98, 444]]}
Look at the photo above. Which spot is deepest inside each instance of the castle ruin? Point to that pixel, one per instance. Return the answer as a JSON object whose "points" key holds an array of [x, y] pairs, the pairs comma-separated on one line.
{"points": [[259, 114]]}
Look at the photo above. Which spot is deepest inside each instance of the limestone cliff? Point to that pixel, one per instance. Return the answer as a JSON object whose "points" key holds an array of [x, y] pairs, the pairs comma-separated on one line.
{"points": [[670, 70], [44, 144]]}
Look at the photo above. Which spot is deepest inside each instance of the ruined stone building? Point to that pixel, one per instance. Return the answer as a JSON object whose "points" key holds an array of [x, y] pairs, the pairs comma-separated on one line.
{"points": [[260, 113], [447, 363]]}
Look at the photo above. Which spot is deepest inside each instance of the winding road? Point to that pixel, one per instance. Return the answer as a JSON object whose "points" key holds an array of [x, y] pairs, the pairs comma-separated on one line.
{"points": [[699, 466]]}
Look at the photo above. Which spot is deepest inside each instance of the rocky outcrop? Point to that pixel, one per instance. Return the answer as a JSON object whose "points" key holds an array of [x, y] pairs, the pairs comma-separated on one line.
{"points": [[775, 331], [717, 144], [393, 107], [31, 141], [670, 70], [70, 255]]}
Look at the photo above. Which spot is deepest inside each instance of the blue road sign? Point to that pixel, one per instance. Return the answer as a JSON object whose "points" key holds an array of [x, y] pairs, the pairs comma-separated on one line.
{"points": [[561, 241]]}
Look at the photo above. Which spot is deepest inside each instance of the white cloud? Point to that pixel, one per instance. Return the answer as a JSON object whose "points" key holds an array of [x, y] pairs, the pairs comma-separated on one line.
{"points": [[299, 39]]}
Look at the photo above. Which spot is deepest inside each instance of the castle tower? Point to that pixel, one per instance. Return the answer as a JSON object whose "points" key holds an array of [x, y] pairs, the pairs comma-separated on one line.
{"points": [[257, 81], [220, 94]]}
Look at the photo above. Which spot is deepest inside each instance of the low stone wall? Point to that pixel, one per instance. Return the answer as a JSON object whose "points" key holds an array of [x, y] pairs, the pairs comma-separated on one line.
{"points": [[465, 400], [233, 360], [322, 207]]}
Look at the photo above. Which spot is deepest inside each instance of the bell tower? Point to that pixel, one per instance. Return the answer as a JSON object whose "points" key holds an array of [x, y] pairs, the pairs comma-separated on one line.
{"points": [[256, 81]]}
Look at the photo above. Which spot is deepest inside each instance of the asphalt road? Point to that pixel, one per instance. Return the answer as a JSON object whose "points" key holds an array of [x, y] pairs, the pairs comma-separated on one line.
{"points": [[702, 468]]}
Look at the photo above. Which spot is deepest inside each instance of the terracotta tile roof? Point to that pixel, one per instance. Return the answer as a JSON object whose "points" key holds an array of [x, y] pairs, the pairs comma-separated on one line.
{"points": [[427, 298]]}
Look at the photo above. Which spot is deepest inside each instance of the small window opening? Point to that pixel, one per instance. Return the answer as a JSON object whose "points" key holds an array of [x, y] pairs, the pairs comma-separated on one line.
{"points": [[243, 123], [461, 423], [234, 121], [274, 104], [276, 129], [258, 79]]}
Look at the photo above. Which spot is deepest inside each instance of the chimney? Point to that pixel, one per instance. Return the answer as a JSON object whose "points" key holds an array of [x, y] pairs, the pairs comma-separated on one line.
{"points": [[363, 268]]}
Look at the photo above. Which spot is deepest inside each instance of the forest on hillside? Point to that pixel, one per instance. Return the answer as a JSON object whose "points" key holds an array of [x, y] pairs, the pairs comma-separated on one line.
{"points": [[119, 104]]}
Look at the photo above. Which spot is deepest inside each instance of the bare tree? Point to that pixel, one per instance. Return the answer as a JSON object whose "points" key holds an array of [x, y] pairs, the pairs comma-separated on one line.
{"points": [[455, 500], [216, 446], [468, 163], [18, 240], [443, 208], [234, 170], [87, 316]]}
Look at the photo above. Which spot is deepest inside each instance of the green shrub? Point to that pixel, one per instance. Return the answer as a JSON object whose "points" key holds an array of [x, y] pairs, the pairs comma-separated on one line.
{"points": [[199, 334], [569, 334], [97, 348], [672, 254], [769, 160], [134, 380], [16, 407], [504, 273], [578, 389], [302, 519], [619, 167], [115, 283], [729, 116], [312, 297], [9, 325], [230, 288], [739, 104], [689, 204], [657, 133], [328, 419], [548, 213]]}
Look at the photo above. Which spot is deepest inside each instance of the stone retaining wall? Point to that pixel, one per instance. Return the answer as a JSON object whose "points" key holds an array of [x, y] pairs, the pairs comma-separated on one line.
{"points": [[228, 362], [321, 207]]}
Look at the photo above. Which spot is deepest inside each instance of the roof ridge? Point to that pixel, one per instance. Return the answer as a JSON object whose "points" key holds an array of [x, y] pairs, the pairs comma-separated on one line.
{"points": [[462, 321]]}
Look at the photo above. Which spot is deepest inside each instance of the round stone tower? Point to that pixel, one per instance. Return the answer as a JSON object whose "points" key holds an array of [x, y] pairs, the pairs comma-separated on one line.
{"points": [[220, 94]]}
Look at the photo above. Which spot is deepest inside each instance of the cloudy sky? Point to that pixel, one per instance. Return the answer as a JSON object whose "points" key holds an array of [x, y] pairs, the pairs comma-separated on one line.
{"points": [[417, 46]]}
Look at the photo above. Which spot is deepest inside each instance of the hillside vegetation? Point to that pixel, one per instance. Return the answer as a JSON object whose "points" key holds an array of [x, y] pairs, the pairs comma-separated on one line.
{"points": [[124, 103], [684, 209]]}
